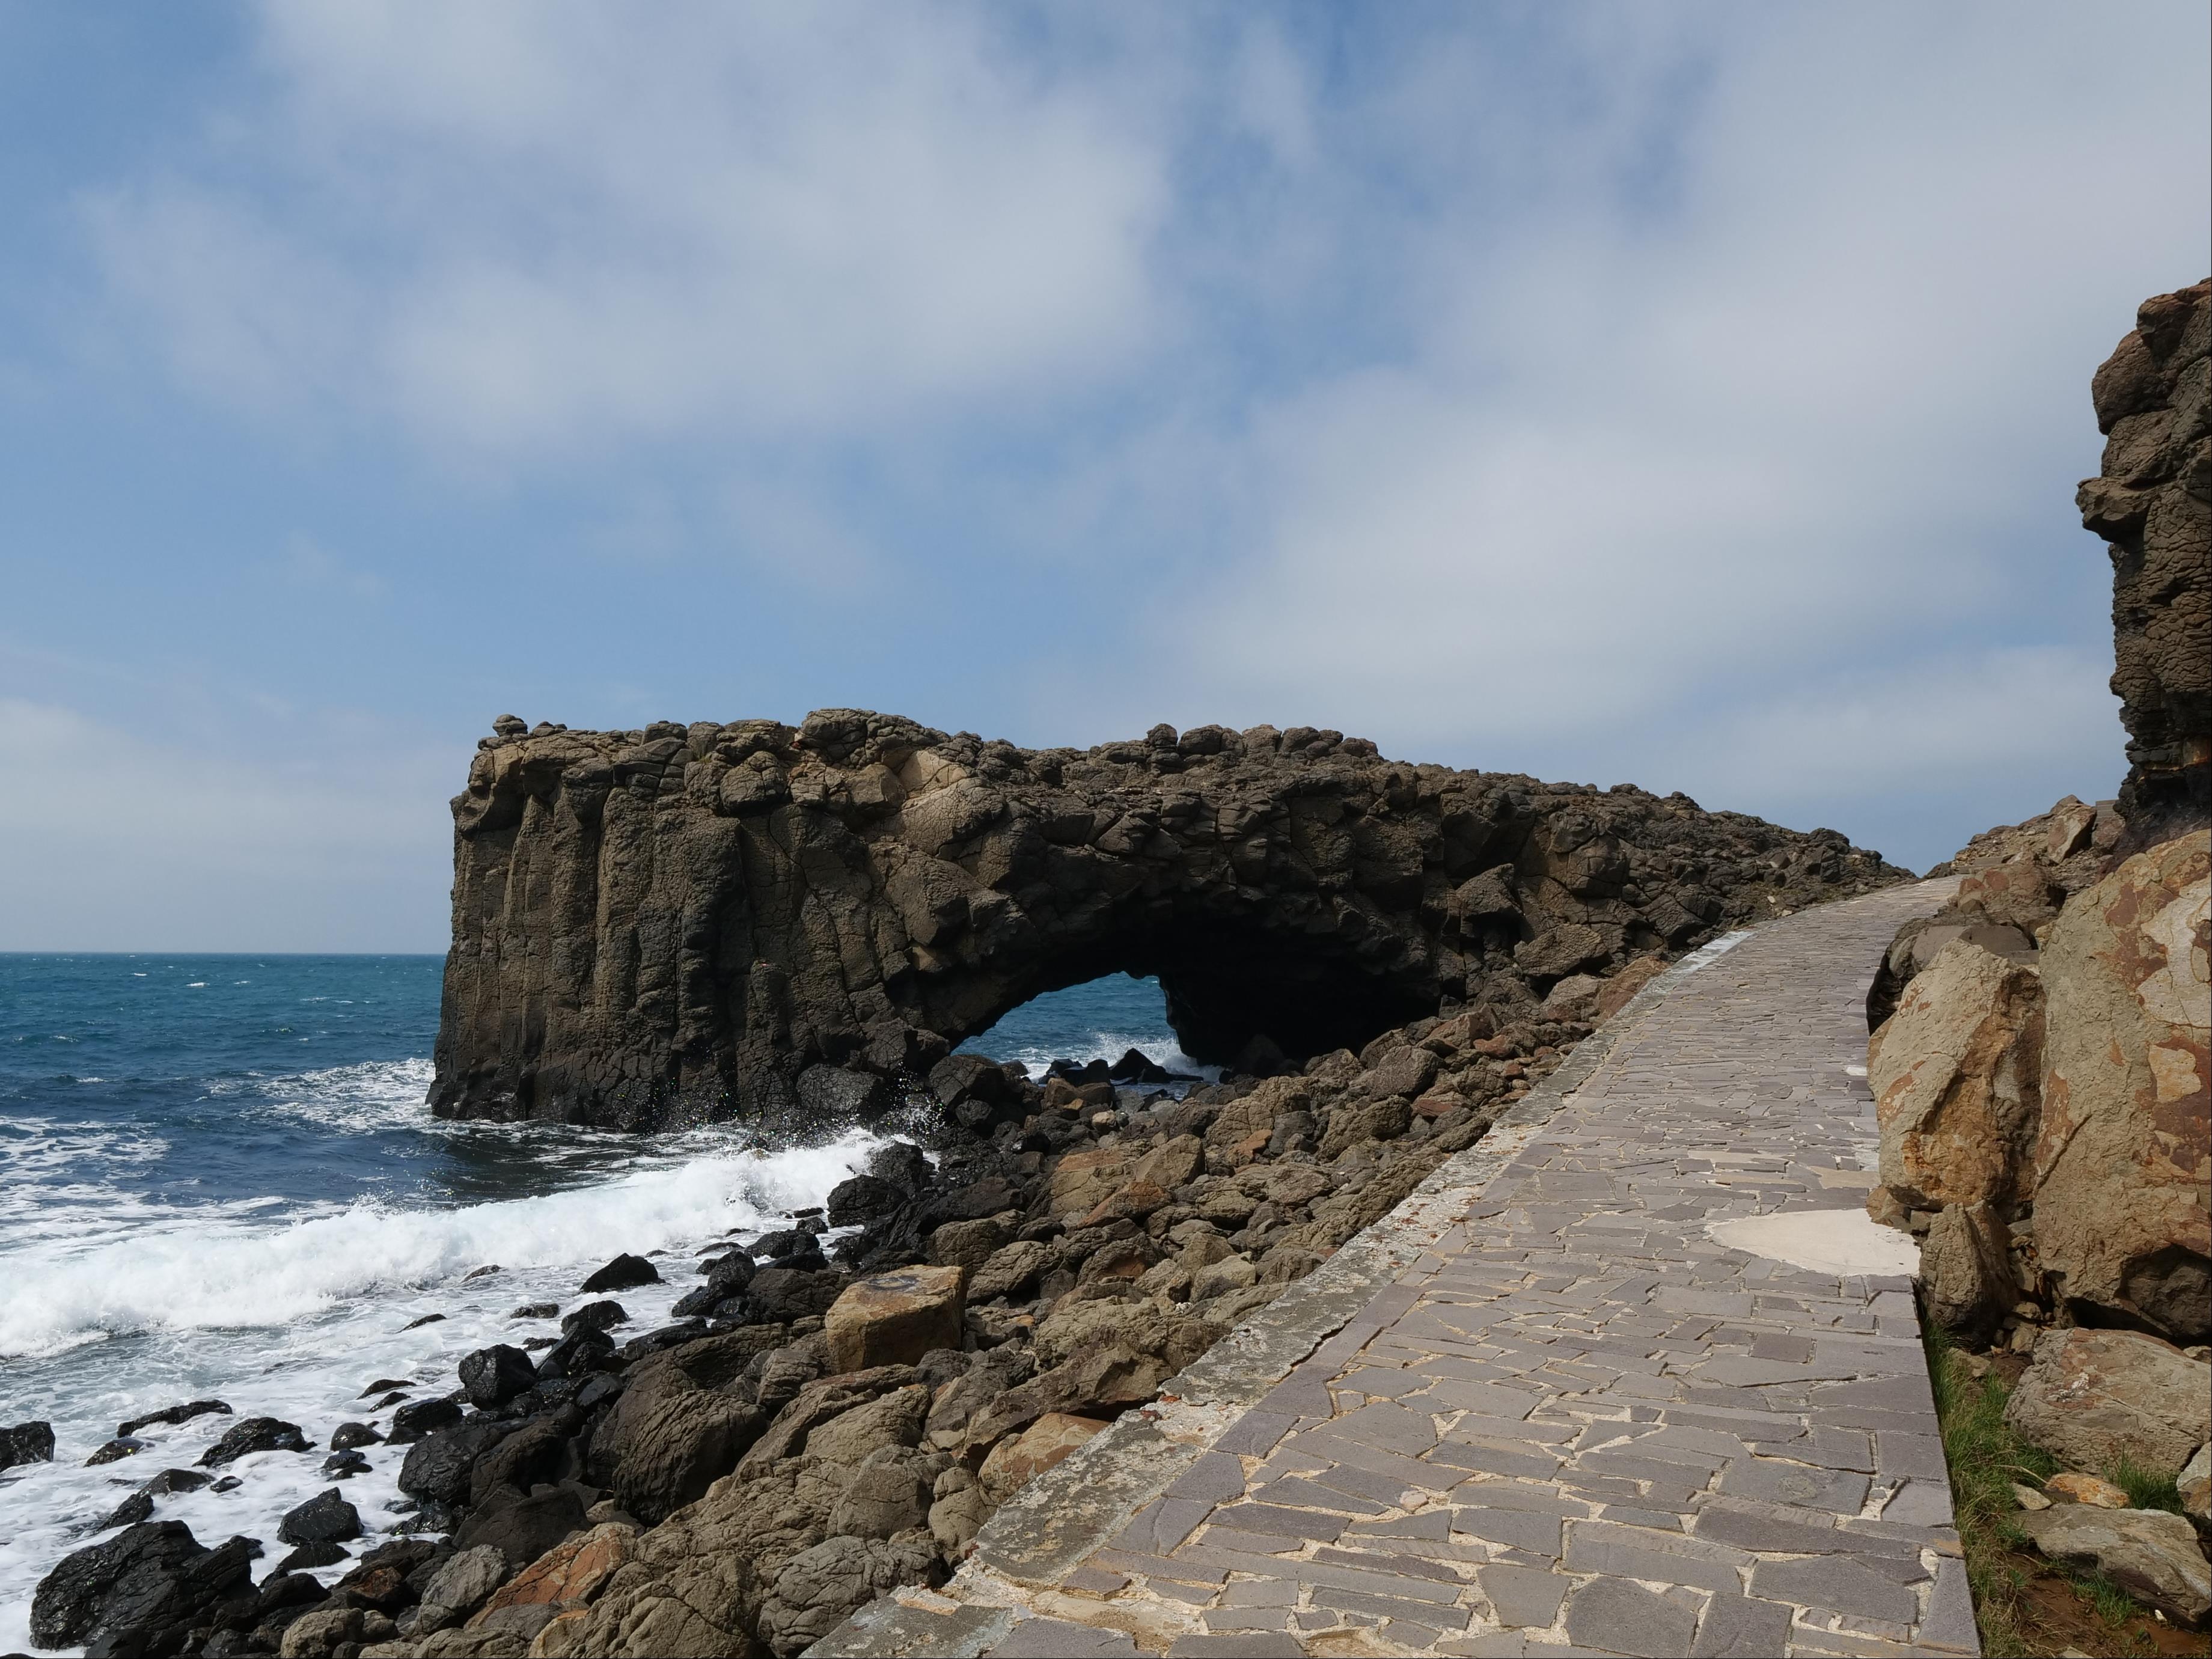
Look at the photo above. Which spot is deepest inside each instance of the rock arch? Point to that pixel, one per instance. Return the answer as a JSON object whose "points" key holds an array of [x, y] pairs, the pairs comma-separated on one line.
{"points": [[703, 921]]}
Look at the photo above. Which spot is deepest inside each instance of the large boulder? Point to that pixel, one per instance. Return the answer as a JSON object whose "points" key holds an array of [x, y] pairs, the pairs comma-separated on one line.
{"points": [[1043, 1445], [2151, 1553], [895, 1318], [2093, 1399], [114, 1596], [2123, 1161], [1956, 1076], [26, 1443], [819, 1587]]}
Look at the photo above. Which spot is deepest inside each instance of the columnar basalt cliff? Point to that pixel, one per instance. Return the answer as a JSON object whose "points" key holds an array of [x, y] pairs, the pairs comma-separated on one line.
{"points": [[749, 919], [2152, 503]]}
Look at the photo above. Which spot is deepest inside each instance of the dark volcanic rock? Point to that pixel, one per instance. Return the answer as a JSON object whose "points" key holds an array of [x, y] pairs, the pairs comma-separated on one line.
{"points": [[421, 1417], [602, 1315], [2152, 502], [495, 1375], [346, 1436], [437, 1469], [325, 1518], [26, 1443], [150, 1576], [254, 1434], [620, 1274], [686, 921], [183, 1413]]}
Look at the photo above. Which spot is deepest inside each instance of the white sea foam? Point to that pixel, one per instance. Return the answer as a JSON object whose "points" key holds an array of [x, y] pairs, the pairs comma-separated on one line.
{"points": [[376, 1094], [1108, 1045], [290, 1316]]}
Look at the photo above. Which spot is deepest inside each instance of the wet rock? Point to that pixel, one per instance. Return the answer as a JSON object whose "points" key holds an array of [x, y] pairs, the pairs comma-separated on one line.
{"points": [[862, 1200], [2123, 1162], [115, 1450], [536, 1310], [594, 1317], [2152, 1553], [838, 1094], [325, 1518], [2092, 1398], [345, 1465], [175, 1480], [422, 1417], [26, 1443], [139, 1506], [819, 1587], [254, 1434], [437, 1468], [145, 1579], [1956, 1076], [383, 1385], [727, 1276], [493, 1376], [576, 1355], [620, 1274], [171, 1414], [349, 1436], [309, 1555], [1043, 1445]]}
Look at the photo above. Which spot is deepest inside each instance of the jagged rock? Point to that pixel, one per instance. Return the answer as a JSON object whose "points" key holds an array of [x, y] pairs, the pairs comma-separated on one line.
{"points": [[325, 1518], [493, 1376], [183, 1413], [1956, 1076], [895, 1418], [895, 888], [2152, 503], [2093, 1398], [2194, 1483], [814, 1405], [312, 1635], [26, 1443], [2123, 1161], [438, 1468], [601, 1316], [1015, 1460], [421, 1417], [818, 1586], [893, 1319], [620, 1274], [957, 1511], [149, 1577], [779, 1296], [523, 1528], [2151, 1553], [965, 1243], [1230, 1273], [1010, 1270], [254, 1434], [2073, 1486]]}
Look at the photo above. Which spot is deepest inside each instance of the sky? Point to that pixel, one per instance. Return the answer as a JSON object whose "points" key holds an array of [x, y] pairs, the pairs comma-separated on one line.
{"points": [[1690, 396]]}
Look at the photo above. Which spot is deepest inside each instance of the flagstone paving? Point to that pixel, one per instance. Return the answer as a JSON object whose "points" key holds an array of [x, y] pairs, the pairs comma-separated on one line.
{"points": [[1577, 1423]]}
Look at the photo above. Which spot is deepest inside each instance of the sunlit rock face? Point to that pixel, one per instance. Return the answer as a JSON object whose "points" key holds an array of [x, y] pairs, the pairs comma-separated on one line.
{"points": [[754, 921]]}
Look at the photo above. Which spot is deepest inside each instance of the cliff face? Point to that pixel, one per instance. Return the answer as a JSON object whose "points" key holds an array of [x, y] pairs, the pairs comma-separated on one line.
{"points": [[2152, 504], [701, 922]]}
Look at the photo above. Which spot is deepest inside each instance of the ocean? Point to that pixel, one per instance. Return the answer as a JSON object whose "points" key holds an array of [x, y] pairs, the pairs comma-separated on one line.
{"points": [[218, 1179]]}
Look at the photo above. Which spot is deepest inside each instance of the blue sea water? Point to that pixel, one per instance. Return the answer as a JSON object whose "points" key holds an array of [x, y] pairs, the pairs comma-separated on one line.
{"points": [[218, 1178]]}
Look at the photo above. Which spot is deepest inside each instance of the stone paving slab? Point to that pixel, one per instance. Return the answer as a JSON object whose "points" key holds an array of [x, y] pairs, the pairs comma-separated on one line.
{"points": [[1559, 1419]]}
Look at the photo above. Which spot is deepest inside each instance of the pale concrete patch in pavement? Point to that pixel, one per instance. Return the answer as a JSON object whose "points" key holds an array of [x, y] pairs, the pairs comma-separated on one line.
{"points": [[1823, 1242]]}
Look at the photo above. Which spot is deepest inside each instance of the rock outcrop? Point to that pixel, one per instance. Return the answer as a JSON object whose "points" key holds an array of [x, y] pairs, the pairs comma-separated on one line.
{"points": [[2152, 502], [2124, 1154], [754, 921]]}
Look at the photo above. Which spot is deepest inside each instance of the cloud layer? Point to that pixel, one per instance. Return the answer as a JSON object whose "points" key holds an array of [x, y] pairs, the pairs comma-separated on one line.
{"points": [[1690, 396]]}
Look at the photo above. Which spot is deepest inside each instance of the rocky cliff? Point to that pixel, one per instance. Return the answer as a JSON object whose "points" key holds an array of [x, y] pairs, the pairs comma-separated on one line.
{"points": [[2152, 503], [759, 920]]}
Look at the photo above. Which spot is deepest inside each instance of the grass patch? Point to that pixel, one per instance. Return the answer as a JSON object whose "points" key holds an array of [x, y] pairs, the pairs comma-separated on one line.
{"points": [[2024, 1604]]}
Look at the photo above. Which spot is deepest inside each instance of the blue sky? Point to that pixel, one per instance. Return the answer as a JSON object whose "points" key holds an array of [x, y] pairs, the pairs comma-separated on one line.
{"points": [[1690, 395]]}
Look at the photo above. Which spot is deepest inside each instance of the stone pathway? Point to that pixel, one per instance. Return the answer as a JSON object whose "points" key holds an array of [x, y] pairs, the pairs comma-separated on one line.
{"points": [[1578, 1423]]}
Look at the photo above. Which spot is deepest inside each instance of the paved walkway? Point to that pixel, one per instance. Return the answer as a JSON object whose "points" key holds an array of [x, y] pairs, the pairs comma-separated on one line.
{"points": [[1579, 1422]]}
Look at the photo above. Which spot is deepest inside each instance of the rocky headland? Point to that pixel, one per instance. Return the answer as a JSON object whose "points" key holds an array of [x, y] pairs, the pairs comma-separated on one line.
{"points": [[2041, 1055], [777, 924]]}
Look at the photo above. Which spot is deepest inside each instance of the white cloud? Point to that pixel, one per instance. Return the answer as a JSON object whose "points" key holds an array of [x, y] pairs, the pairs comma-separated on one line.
{"points": [[528, 229]]}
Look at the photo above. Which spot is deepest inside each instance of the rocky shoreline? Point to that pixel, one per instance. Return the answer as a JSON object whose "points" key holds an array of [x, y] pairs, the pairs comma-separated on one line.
{"points": [[819, 1426]]}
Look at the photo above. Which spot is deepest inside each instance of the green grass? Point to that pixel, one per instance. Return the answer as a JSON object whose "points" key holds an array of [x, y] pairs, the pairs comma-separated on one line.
{"points": [[1986, 1458]]}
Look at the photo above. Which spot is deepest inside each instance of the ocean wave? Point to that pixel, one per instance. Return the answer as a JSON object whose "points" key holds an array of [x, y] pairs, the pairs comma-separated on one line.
{"points": [[230, 1267], [360, 1098], [1108, 1045]]}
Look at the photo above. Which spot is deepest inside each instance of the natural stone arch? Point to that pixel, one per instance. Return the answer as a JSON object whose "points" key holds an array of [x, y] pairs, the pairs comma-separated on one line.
{"points": [[678, 923]]}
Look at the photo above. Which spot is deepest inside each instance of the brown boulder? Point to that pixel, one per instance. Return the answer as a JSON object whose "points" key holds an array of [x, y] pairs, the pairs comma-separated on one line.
{"points": [[2152, 1553], [2092, 1399], [2123, 1161], [1172, 1163], [895, 1318], [965, 1243], [1955, 1074], [1621, 989], [1009, 1270]]}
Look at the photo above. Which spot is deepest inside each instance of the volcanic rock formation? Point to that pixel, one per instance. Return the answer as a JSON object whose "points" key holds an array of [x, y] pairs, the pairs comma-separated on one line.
{"points": [[2152, 504], [747, 919]]}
